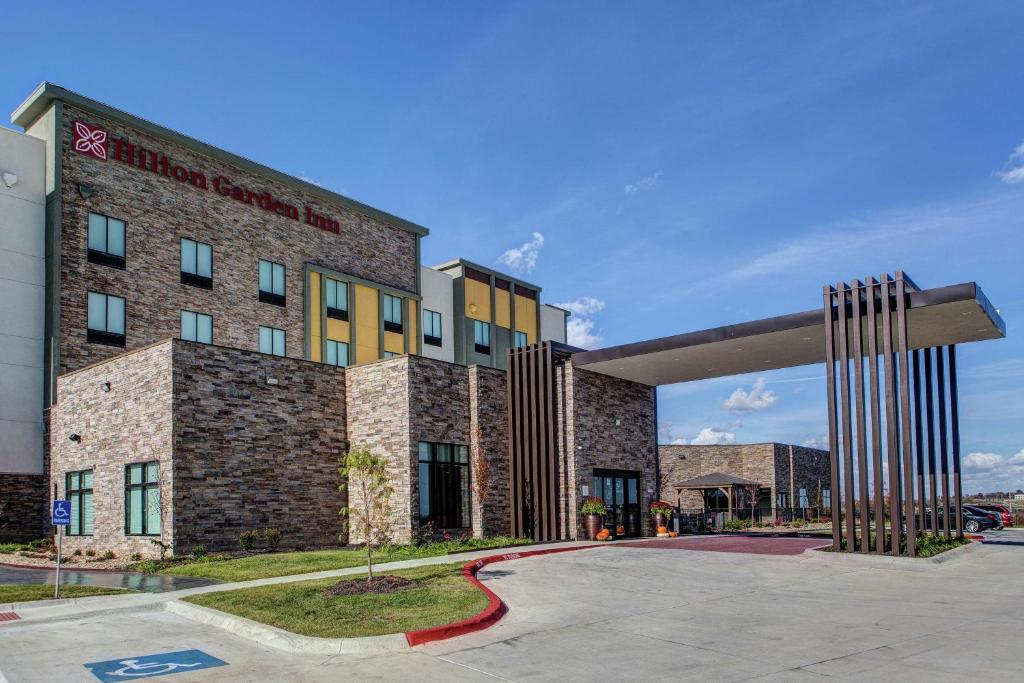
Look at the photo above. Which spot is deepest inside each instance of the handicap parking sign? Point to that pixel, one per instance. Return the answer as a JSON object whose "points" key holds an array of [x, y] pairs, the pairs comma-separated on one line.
{"points": [[149, 666], [61, 513]]}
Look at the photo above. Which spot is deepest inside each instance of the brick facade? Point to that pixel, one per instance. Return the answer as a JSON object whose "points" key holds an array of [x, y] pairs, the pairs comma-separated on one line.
{"points": [[765, 463], [159, 211], [23, 507]]}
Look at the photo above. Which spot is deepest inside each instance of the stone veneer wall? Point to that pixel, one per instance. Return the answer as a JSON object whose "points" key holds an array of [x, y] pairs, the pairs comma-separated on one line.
{"points": [[249, 454], [608, 423], [811, 470], [131, 423], [488, 415], [159, 211], [23, 507]]}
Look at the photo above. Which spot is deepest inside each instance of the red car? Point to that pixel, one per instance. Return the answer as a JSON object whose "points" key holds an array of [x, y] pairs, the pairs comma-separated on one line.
{"points": [[1002, 510]]}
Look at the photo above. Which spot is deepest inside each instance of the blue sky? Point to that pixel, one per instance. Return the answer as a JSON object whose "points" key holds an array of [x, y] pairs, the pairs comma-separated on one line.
{"points": [[684, 165]]}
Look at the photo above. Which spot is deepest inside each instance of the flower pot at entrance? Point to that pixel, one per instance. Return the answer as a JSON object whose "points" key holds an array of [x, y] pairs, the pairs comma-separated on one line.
{"points": [[593, 510], [660, 520], [593, 526]]}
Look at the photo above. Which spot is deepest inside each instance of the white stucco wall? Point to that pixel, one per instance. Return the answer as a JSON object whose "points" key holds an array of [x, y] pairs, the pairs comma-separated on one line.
{"points": [[552, 323], [22, 290], [437, 291]]}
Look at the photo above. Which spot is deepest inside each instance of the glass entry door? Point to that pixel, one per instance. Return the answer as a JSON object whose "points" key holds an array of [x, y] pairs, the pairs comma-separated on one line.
{"points": [[620, 490]]}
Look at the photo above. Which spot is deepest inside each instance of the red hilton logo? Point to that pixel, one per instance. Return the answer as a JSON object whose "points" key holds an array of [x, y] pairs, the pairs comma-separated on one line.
{"points": [[90, 141]]}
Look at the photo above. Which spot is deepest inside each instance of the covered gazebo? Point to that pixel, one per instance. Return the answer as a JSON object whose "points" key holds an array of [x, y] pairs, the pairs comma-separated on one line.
{"points": [[713, 482]]}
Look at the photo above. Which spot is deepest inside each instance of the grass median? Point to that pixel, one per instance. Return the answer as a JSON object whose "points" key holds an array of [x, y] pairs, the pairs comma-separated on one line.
{"points": [[267, 565], [441, 595], [28, 593]]}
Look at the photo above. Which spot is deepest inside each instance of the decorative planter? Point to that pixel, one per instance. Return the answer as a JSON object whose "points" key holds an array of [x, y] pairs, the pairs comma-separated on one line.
{"points": [[659, 520], [593, 525]]}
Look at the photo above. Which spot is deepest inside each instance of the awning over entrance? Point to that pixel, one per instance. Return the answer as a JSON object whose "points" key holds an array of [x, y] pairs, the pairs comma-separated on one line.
{"points": [[714, 480], [935, 317]]}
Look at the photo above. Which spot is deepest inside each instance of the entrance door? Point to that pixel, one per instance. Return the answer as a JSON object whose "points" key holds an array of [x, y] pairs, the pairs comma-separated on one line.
{"points": [[620, 491]]}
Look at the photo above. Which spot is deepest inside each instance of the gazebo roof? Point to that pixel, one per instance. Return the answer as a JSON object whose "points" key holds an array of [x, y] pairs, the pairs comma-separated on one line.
{"points": [[714, 480]]}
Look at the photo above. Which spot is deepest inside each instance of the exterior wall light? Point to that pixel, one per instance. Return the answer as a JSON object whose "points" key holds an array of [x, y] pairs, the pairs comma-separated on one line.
{"points": [[105, 387], [86, 191], [75, 437]]}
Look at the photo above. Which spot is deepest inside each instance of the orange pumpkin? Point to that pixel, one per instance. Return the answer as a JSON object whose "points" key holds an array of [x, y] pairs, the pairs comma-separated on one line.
{"points": [[662, 529], [620, 530], [603, 535]]}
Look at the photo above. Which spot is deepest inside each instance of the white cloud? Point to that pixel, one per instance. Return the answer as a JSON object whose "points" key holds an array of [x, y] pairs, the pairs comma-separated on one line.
{"points": [[713, 436], [820, 442], [1017, 459], [585, 305], [1013, 170], [667, 434], [982, 462], [525, 256], [645, 183], [581, 333], [758, 398]]}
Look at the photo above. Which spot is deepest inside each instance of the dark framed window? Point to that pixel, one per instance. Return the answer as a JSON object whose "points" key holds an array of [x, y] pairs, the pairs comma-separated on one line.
{"points": [[105, 319], [272, 341], [431, 327], [337, 353], [391, 354], [142, 499], [482, 337], [106, 240], [78, 487], [782, 499], [196, 264], [337, 299], [272, 283], [392, 313], [444, 485], [197, 327], [826, 499], [520, 339]]}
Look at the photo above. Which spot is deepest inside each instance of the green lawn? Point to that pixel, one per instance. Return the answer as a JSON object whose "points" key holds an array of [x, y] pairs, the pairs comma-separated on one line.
{"points": [[19, 593], [442, 597], [284, 564]]}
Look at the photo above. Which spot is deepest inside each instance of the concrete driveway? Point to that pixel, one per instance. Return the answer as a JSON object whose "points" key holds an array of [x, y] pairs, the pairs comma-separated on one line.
{"points": [[624, 614]]}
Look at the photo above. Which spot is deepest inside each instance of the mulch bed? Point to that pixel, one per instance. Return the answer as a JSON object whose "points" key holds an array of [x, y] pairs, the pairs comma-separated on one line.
{"points": [[379, 584]]}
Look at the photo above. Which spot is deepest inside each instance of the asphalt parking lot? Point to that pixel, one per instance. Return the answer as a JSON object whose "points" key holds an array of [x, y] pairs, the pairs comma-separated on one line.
{"points": [[624, 614]]}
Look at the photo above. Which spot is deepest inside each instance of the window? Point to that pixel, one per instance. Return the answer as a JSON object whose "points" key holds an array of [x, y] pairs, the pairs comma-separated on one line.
{"points": [[105, 324], [826, 500], [444, 485], [482, 337], [431, 328], [520, 339], [142, 499], [271, 283], [802, 497], [196, 264], [392, 313], [78, 486], [197, 327], [271, 341], [106, 241], [391, 354], [337, 353], [782, 499], [337, 299]]}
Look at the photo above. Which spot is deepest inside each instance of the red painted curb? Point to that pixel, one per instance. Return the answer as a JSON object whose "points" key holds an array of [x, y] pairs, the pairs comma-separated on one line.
{"points": [[495, 607]]}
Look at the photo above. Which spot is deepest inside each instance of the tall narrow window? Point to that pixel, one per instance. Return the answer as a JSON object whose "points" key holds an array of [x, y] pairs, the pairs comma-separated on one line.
{"points": [[196, 264], [272, 282], [482, 337], [79, 492], [826, 501], [105, 319], [272, 341], [520, 339], [391, 354], [392, 313], [337, 299], [444, 485], [106, 240], [197, 327], [337, 353], [431, 327], [142, 499]]}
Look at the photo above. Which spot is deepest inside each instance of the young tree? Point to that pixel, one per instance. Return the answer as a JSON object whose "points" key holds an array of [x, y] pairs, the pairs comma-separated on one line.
{"points": [[367, 478], [481, 468]]}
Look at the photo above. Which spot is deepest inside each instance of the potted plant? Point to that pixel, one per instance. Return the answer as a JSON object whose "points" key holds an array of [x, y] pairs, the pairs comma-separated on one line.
{"points": [[592, 509], [660, 510]]}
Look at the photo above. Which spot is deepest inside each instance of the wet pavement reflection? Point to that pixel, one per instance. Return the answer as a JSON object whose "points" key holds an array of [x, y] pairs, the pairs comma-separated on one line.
{"points": [[147, 583]]}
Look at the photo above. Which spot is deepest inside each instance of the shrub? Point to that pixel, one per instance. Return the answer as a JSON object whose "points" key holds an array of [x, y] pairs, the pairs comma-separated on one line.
{"points": [[109, 555], [424, 534], [797, 523], [90, 552], [247, 539], [164, 547], [737, 524], [660, 507], [592, 505], [136, 557], [78, 552], [272, 537], [199, 551]]}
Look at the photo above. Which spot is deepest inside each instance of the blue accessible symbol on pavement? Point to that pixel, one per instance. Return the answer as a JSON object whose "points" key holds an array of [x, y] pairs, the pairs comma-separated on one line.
{"points": [[60, 515], [153, 665]]}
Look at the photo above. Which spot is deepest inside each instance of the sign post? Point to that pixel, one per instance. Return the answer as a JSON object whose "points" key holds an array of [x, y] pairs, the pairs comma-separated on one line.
{"points": [[60, 517]]}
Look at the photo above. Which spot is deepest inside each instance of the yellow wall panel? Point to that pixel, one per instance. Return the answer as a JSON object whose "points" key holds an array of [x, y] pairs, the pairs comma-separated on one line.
{"points": [[526, 318], [414, 327], [315, 314], [337, 329], [502, 308], [478, 300], [367, 324], [394, 342]]}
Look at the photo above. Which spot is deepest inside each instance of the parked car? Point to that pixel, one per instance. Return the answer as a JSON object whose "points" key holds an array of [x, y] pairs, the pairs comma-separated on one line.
{"points": [[974, 519], [995, 517], [1003, 511]]}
